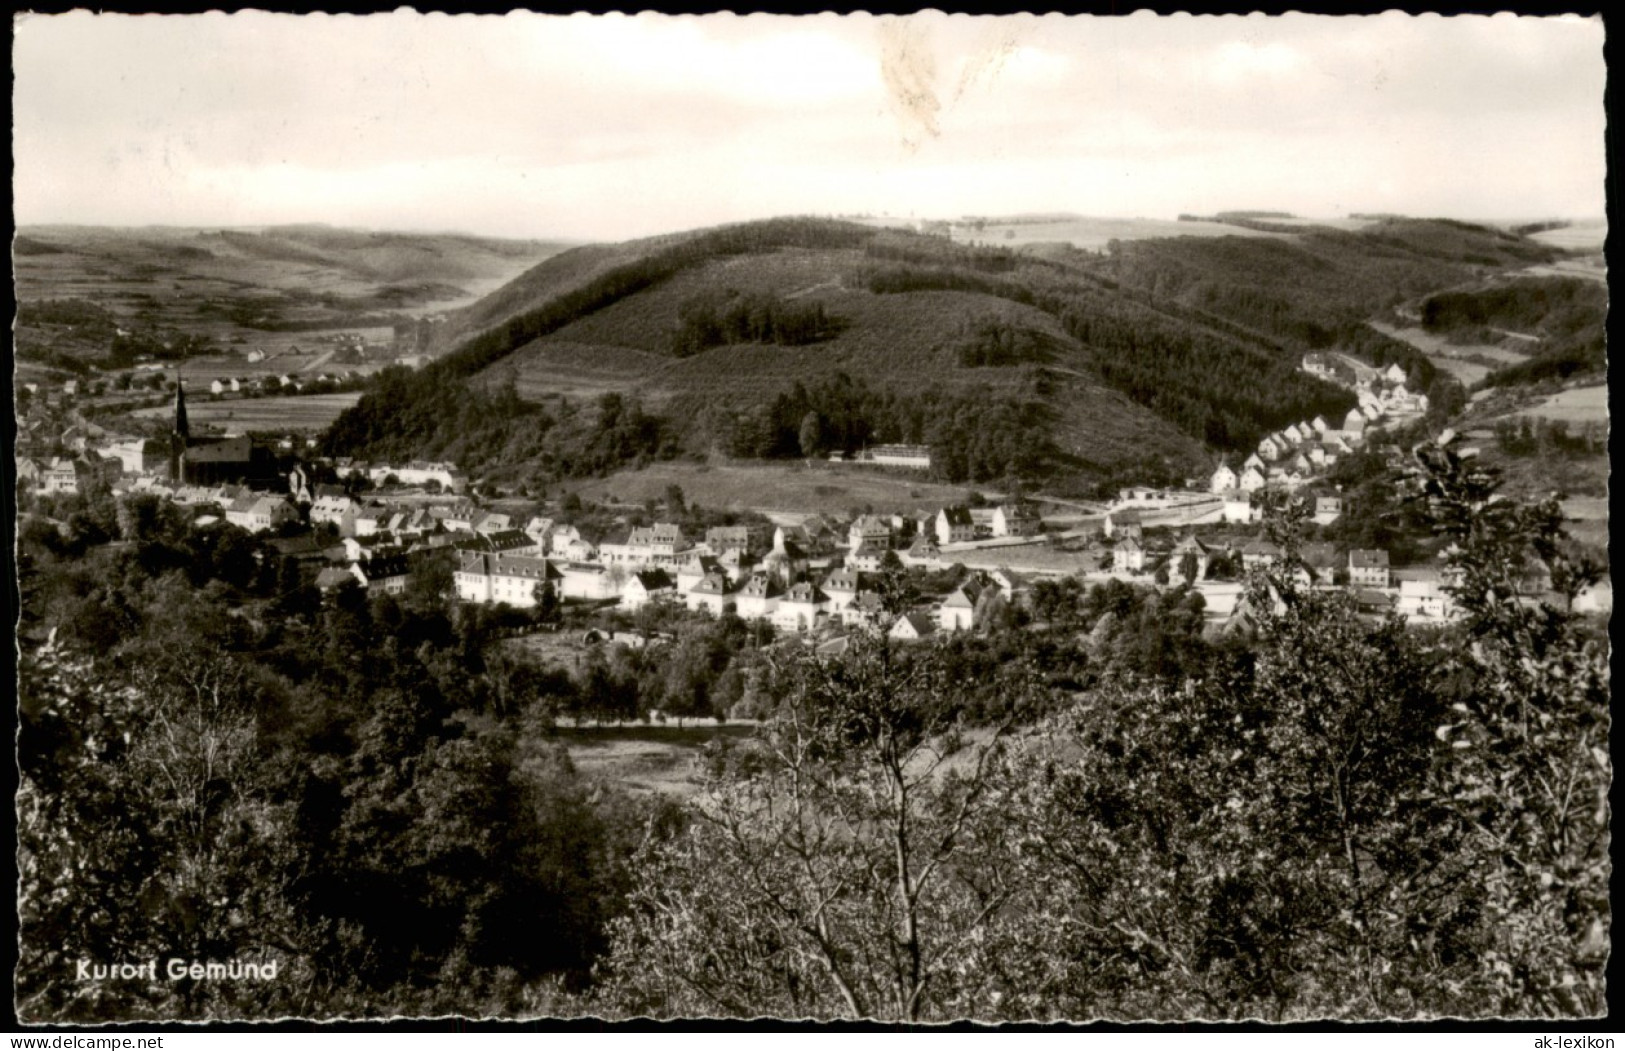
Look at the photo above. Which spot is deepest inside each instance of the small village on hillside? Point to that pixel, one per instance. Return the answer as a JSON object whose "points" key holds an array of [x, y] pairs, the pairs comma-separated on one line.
{"points": [[809, 574]]}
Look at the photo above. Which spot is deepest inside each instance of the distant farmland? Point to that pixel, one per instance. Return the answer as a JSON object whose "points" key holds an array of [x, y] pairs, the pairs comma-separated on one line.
{"points": [[312, 412]]}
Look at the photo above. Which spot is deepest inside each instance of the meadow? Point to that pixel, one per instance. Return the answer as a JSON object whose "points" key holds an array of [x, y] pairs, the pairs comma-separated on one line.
{"points": [[311, 412], [1455, 358], [791, 487]]}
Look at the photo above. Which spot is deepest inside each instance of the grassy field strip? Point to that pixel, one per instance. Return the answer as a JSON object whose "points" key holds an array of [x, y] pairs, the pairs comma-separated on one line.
{"points": [[1575, 405], [312, 412], [790, 488]]}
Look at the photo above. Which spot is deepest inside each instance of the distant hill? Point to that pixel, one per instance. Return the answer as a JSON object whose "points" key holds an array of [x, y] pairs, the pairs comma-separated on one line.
{"points": [[1560, 321], [189, 284], [1143, 360]]}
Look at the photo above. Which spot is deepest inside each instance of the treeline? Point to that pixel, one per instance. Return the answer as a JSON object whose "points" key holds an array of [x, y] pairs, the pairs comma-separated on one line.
{"points": [[1570, 313], [1546, 306], [720, 318], [1581, 354], [1213, 387], [974, 434], [477, 428], [993, 343], [75, 312]]}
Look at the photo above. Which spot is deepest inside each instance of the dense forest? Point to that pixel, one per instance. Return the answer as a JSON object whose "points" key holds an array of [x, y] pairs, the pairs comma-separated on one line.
{"points": [[1092, 808], [1568, 314], [728, 317], [973, 434]]}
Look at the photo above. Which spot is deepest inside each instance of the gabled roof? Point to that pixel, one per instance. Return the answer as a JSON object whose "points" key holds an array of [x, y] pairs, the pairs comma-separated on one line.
{"points": [[654, 579], [711, 584], [1370, 559], [843, 580], [760, 587], [965, 595], [804, 592], [957, 515], [920, 624], [380, 567]]}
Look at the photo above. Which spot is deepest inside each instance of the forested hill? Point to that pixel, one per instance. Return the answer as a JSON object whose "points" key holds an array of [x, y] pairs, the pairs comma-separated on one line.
{"points": [[794, 337]]}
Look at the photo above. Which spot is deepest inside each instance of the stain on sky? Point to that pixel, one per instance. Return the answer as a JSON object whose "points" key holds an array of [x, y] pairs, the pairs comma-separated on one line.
{"points": [[910, 72]]}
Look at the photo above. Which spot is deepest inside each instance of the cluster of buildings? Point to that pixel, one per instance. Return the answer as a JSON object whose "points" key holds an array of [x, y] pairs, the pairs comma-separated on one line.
{"points": [[286, 383], [804, 578]]}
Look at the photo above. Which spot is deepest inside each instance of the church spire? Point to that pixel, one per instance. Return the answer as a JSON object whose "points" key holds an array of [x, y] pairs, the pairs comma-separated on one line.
{"points": [[182, 428]]}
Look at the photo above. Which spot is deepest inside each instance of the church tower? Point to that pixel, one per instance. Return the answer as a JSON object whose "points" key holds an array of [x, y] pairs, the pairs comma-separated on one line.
{"points": [[181, 432]]}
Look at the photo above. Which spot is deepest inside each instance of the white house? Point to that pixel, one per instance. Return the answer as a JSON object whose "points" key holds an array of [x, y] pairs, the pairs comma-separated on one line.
{"points": [[1123, 524], [660, 541], [1424, 597], [869, 529], [512, 579], [1128, 556], [1368, 568], [646, 586], [842, 587], [1252, 480], [258, 513], [958, 610], [758, 598], [1328, 509], [709, 593], [1271, 447], [954, 525], [911, 627], [800, 607], [1015, 519], [1193, 548], [1223, 478]]}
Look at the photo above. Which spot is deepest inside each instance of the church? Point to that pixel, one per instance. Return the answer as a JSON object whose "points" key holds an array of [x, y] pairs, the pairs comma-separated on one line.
{"points": [[213, 460]]}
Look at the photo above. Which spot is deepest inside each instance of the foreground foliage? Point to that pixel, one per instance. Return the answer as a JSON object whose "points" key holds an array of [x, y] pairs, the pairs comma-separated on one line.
{"points": [[1108, 817]]}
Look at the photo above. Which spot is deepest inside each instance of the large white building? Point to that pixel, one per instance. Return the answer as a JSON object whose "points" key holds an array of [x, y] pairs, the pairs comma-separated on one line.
{"points": [[513, 579]]}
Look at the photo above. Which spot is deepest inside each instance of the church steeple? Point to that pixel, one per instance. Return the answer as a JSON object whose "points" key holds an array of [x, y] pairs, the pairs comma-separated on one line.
{"points": [[179, 435], [182, 428]]}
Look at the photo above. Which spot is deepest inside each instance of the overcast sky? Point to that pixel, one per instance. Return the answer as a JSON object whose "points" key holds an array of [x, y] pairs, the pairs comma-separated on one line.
{"points": [[612, 126]]}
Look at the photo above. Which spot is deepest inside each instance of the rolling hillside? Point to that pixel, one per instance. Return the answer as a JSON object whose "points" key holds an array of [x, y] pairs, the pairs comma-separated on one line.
{"points": [[77, 285], [764, 339]]}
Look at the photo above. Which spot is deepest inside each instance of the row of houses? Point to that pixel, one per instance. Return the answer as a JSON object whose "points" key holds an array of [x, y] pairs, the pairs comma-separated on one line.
{"points": [[268, 384], [415, 473]]}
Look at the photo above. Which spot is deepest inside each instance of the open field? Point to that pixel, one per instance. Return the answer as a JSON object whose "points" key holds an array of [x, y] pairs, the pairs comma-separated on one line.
{"points": [[1041, 559], [788, 487], [1093, 234], [1575, 405], [1585, 236], [646, 758], [311, 412], [1454, 358]]}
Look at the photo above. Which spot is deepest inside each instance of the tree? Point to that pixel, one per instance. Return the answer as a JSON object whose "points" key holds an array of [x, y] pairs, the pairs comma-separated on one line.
{"points": [[837, 869], [812, 435]]}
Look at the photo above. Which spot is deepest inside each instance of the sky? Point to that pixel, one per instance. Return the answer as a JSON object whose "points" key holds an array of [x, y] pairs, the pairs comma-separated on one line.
{"points": [[609, 127]]}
